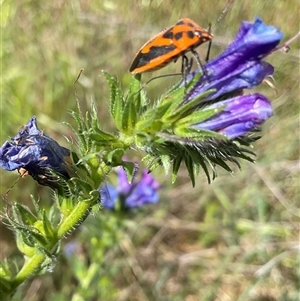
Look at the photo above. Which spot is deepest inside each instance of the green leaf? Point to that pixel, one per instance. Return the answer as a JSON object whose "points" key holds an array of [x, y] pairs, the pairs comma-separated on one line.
{"points": [[147, 120], [152, 162], [66, 205], [135, 84], [37, 208], [116, 100], [114, 157], [5, 288], [183, 109], [47, 226], [85, 187], [26, 216], [101, 138], [165, 160], [95, 195], [130, 169], [136, 93], [194, 135], [177, 93], [34, 234], [202, 163], [175, 98], [28, 235], [25, 244], [104, 135], [129, 117], [94, 116], [176, 165], [222, 163], [83, 144], [27, 238], [197, 117], [4, 269], [190, 167]]}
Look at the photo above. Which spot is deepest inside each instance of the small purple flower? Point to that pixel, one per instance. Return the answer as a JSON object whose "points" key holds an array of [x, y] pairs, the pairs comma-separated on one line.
{"points": [[136, 194], [240, 66], [35, 153], [71, 248], [239, 116]]}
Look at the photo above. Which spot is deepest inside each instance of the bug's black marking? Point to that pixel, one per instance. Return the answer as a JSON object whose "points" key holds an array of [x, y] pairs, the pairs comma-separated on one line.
{"points": [[168, 34], [190, 34], [191, 25], [178, 36], [143, 59]]}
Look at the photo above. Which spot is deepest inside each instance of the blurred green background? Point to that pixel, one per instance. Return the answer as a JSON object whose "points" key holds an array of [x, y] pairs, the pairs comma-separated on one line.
{"points": [[236, 239]]}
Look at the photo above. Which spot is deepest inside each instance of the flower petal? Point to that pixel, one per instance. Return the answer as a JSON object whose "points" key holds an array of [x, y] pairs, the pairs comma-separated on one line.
{"points": [[239, 116], [109, 196], [244, 77], [240, 66]]}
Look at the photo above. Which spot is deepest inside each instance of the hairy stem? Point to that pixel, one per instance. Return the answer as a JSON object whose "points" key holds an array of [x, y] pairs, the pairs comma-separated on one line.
{"points": [[71, 222]]}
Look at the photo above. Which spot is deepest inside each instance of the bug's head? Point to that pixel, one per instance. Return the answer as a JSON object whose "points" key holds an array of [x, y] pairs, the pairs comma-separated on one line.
{"points": [[203, 35]]}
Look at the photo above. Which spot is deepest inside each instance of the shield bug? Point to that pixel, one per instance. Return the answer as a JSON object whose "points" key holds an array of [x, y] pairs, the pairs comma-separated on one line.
{"points": [[172, 43], [169, 45]]}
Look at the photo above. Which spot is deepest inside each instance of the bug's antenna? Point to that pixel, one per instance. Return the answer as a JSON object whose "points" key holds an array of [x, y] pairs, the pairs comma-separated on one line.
{"points": [[220, 18], [223, 14], [209, 45]]}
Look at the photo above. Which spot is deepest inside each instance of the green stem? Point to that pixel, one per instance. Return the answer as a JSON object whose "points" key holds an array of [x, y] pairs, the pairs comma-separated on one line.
{"points": [[31, 264], [78, 214], [34, 263]]}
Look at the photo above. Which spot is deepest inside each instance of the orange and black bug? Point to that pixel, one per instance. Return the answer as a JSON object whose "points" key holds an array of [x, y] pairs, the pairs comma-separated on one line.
{"points": [[173, 43], [169, 45]]}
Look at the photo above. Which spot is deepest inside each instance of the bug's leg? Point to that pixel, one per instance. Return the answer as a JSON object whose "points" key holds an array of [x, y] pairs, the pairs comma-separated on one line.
{"points": [[184, 67], [189, 66], [184, 63], [201, 66]]}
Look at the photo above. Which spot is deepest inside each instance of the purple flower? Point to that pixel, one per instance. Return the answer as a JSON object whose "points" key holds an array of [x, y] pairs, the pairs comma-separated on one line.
{"points": [[36, 154], [239, 116], [71, 248], [240, 66], [138, 193]]}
